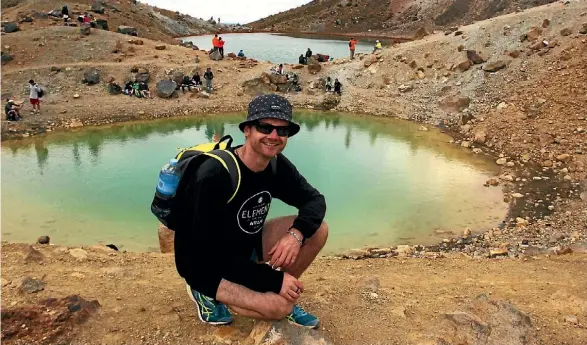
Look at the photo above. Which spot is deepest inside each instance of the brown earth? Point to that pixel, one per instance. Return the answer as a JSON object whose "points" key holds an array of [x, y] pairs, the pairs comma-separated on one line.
{"points": [[151, 22], [531, 112], [393, 18], [374, 301]]}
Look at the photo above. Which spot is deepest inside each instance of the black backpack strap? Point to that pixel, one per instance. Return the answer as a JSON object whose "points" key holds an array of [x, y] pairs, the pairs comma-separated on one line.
{"points": [[217, 146], [229, 162]]}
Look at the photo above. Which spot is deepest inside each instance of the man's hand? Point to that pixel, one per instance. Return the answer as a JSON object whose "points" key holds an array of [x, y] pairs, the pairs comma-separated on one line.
{"points": [[291, 287], [285, 251]]}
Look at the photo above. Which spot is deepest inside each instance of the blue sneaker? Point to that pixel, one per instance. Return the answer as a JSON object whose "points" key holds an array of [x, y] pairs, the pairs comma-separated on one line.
{"points": [[209, 311], [300, 317]]}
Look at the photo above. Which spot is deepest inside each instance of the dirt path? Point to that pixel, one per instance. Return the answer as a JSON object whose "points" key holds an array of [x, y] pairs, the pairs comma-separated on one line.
{"points": [[375, 301]]}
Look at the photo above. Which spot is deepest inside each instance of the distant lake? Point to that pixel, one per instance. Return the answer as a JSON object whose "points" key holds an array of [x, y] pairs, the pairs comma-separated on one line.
{"points": [[279, 48]]}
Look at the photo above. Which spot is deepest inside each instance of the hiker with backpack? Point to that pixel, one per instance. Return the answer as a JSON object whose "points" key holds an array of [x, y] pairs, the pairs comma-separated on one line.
{"points": [[35, 94], [228, 254]]}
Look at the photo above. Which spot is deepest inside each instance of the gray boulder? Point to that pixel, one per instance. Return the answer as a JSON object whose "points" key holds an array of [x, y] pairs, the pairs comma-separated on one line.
{"points": [[102, 24], [166, 88], [215, 55], [98, 8], [91, 76], [55, 13], [10, 27], [127, 30], [6, 58], [177, 77], [142, 75], [114, 89]]}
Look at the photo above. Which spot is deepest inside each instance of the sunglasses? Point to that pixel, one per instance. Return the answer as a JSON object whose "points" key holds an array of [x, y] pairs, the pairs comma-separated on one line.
{"points": [[265, 128]]}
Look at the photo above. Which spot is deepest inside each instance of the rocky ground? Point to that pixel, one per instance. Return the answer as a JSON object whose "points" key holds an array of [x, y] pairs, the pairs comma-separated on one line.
{"points": [[512, 87], [148, 21], [388, 18], [137, 298]]}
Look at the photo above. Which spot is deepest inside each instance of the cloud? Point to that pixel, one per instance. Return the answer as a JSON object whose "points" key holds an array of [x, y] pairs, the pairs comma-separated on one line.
{"points": [[229, 11]]}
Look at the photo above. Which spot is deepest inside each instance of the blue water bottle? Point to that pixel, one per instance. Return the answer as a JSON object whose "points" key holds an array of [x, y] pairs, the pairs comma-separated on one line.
{"points": [[168, 180]]}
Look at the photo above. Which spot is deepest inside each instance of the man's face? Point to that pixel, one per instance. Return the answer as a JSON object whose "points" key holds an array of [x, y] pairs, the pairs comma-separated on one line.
{"points": [[266, 145]]}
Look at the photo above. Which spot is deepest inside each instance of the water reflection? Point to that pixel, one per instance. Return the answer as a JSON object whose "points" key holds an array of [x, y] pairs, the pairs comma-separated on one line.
{"points": [[95, 138]]}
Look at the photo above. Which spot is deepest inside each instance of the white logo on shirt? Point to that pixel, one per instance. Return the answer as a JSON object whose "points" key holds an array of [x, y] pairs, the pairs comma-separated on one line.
{"points": [[253, 212]]}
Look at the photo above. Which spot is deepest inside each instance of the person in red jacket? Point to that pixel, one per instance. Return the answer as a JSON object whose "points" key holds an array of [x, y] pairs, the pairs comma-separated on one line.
{"points": [[221, 46], [215, 43], [352, 44]]}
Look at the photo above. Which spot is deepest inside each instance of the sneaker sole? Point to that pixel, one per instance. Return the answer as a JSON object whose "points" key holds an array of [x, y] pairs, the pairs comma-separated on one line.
{"points": [[189, 290], [302, 326]]}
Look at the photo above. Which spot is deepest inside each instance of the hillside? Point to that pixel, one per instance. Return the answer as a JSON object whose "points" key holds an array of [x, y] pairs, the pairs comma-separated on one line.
{"points": [[393, 17], [151, 22]]}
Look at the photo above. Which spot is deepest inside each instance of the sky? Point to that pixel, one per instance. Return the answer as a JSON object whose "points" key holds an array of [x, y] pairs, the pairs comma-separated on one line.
{"points": [[229, 11]]}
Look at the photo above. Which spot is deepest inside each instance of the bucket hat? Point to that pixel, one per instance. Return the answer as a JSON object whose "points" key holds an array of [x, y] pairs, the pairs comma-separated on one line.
{"points": [[270, 106]]}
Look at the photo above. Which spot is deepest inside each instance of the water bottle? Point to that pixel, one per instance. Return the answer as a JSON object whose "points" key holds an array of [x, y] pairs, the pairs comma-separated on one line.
{"points": [[166, 189], [168, 180]]}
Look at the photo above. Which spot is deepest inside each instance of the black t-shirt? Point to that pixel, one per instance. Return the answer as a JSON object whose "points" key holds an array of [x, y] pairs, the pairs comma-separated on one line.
{"points": [[216, 239]]}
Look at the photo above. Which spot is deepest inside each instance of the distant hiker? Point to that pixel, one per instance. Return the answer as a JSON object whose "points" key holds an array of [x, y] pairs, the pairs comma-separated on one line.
{"points": [[221, 46], [308, 54], [302, 59], [218, 20], [352, 44], [196, 79], [208, 76], [377, 46], [12, 111], [241, 53], [328, 84], [87, 19], [231, 258], [34, 97], [337, 87], [65, 14], [280, 69], [215, 43]]}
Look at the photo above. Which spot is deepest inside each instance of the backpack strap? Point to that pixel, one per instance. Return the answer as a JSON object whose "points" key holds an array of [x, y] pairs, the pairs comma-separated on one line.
{"points": [[229, 162]]}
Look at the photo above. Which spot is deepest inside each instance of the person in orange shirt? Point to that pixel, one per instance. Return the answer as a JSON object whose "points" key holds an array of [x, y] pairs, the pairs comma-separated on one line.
{"points": [[352, 44], [221, 46], [215, 43]]}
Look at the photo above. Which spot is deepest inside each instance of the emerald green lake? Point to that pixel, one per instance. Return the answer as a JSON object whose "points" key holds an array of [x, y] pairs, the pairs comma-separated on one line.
{"points": [[385, 181]]}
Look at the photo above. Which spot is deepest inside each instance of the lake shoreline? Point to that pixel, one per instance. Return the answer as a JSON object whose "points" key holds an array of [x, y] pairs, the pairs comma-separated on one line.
{"points": [[315, 34]]}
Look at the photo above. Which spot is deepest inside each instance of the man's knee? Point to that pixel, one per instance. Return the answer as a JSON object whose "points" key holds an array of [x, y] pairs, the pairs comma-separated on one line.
{"points": [[321, 235]]}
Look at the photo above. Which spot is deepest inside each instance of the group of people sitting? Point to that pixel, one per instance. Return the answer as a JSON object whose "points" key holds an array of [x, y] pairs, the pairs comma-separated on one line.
{"points": [[303, 59], [138, 89], [196, 81]]}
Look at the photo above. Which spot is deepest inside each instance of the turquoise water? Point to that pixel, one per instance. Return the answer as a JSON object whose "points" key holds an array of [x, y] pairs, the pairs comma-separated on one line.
{"points": [[282, 49], [385, 181]]}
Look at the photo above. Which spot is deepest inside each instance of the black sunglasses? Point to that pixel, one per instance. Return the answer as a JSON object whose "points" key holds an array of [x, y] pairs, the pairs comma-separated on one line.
{"points": [[265, 128]]}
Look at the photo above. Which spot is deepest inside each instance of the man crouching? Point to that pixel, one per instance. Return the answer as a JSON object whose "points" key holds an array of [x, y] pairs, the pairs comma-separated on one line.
{"points": [[226, 251]]}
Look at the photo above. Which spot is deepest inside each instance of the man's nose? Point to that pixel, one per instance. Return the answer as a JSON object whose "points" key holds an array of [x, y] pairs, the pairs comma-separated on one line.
{"points": [[273, 134]]}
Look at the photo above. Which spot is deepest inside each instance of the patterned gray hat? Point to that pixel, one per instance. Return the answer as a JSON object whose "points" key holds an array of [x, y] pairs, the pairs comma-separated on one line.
{"points": [[270, 106]]}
